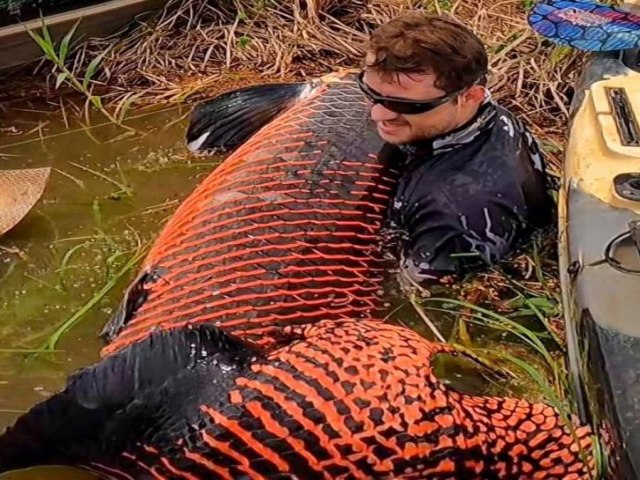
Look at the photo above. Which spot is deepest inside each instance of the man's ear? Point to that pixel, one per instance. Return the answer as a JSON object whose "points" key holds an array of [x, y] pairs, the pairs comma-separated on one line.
{"points": [[474, 94]]}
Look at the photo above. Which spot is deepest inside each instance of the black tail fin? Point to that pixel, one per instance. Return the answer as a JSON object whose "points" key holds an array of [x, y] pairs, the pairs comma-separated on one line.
{"points": [[82, 423], [229, 119]]}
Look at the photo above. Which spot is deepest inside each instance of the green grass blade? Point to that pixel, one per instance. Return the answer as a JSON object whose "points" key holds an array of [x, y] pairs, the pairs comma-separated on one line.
{"points": [[122, 187], [97, 101], [66, 259], [484, 362], [125, 105], [80, 313], [545, 322], [45, 31], [47, 48], [64, 44], [97, 214], [61, 77], [20, 350], [92, 68], [551, 397], [524, 334]]}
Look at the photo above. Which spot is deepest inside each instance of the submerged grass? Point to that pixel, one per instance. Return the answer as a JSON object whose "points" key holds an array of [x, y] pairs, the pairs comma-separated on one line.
{"points": [[66, 325]]}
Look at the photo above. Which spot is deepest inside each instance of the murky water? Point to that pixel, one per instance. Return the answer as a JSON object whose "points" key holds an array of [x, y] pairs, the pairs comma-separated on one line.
{"points": [[107, 194], [75, 241]]}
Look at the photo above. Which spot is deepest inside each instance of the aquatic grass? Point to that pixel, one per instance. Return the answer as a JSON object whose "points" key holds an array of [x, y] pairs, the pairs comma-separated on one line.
{"points": [[75, 180], [476, 354], [495, 320], [75, 239], [537, 262], [543, 320], [77, 316], [122, 185], [601, 457], [525, 335], [66, 259], [109, 248], [552, 397], [26, 350], [57, 55], [426, 319], [43, 283], [7, 274], [193, 48], [535, 303], [556, 392]]}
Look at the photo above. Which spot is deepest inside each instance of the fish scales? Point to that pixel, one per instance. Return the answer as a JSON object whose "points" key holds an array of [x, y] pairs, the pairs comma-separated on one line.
{"points": [[282, 240], [309, 410], [286, 230]]}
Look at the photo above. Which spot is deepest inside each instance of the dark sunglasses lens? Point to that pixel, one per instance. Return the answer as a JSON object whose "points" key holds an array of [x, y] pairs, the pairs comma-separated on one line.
{"points": [[404, 108]]}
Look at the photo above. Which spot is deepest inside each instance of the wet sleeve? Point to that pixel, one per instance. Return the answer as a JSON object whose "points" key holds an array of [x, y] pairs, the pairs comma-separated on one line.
{"points": [[449, 240]]}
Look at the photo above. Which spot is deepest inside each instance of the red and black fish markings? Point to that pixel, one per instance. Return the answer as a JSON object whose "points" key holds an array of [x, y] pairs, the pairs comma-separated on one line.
{"points": [[356, 400], [285, 231], [249, 348]]}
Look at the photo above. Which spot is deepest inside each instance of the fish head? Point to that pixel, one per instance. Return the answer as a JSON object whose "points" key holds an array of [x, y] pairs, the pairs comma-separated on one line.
{"points": [[340, 75]]}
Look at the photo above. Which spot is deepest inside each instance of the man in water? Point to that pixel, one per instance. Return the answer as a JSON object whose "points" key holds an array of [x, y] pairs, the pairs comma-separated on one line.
{"points": [[473, 179]]}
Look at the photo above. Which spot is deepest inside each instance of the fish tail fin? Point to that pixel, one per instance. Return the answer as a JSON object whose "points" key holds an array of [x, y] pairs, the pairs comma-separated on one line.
{"points": [[229, 119], [90, 421]]}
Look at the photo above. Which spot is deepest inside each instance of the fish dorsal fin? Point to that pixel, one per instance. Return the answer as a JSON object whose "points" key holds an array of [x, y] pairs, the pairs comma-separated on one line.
{"points": [[229, 119], [71, 425]]}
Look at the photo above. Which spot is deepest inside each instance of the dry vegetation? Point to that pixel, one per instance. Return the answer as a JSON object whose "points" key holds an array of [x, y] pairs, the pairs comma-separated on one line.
{"points": [[197, 47], [194, 44]]}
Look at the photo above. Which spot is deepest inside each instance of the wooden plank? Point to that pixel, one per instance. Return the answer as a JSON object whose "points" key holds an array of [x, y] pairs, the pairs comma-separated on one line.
{"points": [[18, 48]]}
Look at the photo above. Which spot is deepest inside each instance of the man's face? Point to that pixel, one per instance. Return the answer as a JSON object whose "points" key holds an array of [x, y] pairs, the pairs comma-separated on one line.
{"points": [[397, 128]]}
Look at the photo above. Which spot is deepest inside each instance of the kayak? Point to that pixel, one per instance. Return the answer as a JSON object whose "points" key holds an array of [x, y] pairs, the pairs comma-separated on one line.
{"points": [[599, 241], [599, 221]]}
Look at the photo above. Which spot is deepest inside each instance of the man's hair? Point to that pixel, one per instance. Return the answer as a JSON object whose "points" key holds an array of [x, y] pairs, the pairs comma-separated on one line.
{"points": [[433, 44]]}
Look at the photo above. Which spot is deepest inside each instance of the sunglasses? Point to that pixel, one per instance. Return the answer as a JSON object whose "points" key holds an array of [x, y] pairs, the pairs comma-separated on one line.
{"points": [[402, 105]]}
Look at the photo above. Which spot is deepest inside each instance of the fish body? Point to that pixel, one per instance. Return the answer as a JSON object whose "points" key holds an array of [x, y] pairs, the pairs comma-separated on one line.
{"points": [[349, 399], [248, 347], [285, 231]]}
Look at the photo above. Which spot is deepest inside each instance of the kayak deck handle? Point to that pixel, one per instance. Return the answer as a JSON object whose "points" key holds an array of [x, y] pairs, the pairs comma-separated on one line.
{"points": [[633, 234], [626, 121]]}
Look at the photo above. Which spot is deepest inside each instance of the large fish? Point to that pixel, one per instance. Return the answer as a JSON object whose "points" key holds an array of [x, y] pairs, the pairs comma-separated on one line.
{"points": [[278, 249], [285, 231], [350, 399]]}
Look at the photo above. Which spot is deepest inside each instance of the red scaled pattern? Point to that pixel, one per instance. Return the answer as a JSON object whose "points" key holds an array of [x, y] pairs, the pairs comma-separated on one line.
{"points": [[285, 231], [275, 246], [358, 399]]}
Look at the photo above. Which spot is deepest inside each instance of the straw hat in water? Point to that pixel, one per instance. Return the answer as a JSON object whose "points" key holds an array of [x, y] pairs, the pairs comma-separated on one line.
{"points": [[19, 192]]}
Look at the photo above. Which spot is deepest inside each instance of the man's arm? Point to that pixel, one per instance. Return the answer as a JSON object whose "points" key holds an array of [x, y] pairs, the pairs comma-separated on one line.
{"points": [[444, 242]]}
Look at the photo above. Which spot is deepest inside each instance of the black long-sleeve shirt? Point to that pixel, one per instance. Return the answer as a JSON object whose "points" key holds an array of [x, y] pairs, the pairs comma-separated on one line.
{"points": [[467, 198]]}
